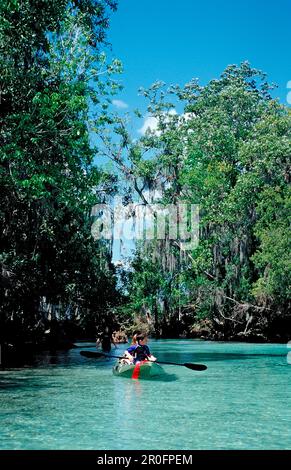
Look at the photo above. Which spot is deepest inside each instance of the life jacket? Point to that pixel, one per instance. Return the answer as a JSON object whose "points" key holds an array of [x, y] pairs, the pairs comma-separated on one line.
{"points": [[141, 353]]}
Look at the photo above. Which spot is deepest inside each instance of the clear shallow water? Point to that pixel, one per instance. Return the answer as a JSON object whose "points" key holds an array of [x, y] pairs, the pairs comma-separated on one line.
{"points": [[66, 401]]}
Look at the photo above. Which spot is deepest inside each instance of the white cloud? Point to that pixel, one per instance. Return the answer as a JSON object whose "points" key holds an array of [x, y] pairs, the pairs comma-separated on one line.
{"points": [[151, 123], [188, 116], [120, 104]]}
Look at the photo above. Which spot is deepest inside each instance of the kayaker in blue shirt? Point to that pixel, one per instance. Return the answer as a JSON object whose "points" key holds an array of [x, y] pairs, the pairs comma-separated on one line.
{"points": [[140, 351]]}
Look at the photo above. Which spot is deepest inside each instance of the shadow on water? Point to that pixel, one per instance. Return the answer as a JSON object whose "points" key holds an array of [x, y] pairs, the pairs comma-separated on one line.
{"points": [[166, 378], [214, 356], [72, 358], [27, 383]]}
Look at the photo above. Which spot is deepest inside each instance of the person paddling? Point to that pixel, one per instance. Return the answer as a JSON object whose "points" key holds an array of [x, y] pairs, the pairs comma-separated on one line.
{"points": [[105, 339], [140, 351]]}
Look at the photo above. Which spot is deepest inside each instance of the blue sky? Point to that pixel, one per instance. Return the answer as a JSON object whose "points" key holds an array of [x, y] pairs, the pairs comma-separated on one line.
{"points": [[176, 40]]}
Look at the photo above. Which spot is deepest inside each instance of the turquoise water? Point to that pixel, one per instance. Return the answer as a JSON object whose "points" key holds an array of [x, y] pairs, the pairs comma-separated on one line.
{"points": [[66, 401]]}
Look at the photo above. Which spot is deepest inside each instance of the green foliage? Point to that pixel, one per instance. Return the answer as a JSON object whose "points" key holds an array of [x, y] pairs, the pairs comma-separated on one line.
{"points": [[229, 152], [52, 71], [272, 258]]}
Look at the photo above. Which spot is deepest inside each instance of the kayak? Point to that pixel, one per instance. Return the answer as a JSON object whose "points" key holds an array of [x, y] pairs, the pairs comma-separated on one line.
{"points": [[141, 370]]}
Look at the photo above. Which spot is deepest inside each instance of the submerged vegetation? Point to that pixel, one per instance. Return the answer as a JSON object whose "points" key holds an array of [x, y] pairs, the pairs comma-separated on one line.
{"points": [[225, 147]]}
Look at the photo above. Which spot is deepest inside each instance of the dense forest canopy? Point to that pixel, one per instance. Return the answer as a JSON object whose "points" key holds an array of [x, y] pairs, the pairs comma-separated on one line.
{"points": [[229, 152], [53, 71], [224, 146]]}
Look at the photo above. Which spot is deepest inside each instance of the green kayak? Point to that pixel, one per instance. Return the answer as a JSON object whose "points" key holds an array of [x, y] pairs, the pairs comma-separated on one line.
{"points": [[141, 370]]}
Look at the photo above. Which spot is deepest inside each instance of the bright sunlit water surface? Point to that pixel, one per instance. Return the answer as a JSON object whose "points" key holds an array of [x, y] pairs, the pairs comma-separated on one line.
{"points": [[65, 401]]}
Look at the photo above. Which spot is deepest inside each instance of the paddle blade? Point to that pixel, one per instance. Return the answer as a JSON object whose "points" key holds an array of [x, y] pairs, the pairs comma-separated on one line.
{"points": [[195, 366], [94, 354]]}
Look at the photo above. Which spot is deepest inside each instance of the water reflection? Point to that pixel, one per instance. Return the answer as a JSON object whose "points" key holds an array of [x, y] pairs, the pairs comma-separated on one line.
{"points": [[233, 405]]}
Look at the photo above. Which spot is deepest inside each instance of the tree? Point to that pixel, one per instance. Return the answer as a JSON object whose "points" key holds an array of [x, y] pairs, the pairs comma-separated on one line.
{"points": [[55, 84], [228, 151]]}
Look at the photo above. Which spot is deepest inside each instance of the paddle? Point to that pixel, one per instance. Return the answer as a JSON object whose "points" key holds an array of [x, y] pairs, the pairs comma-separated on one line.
{"points": [[186, 364]]}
